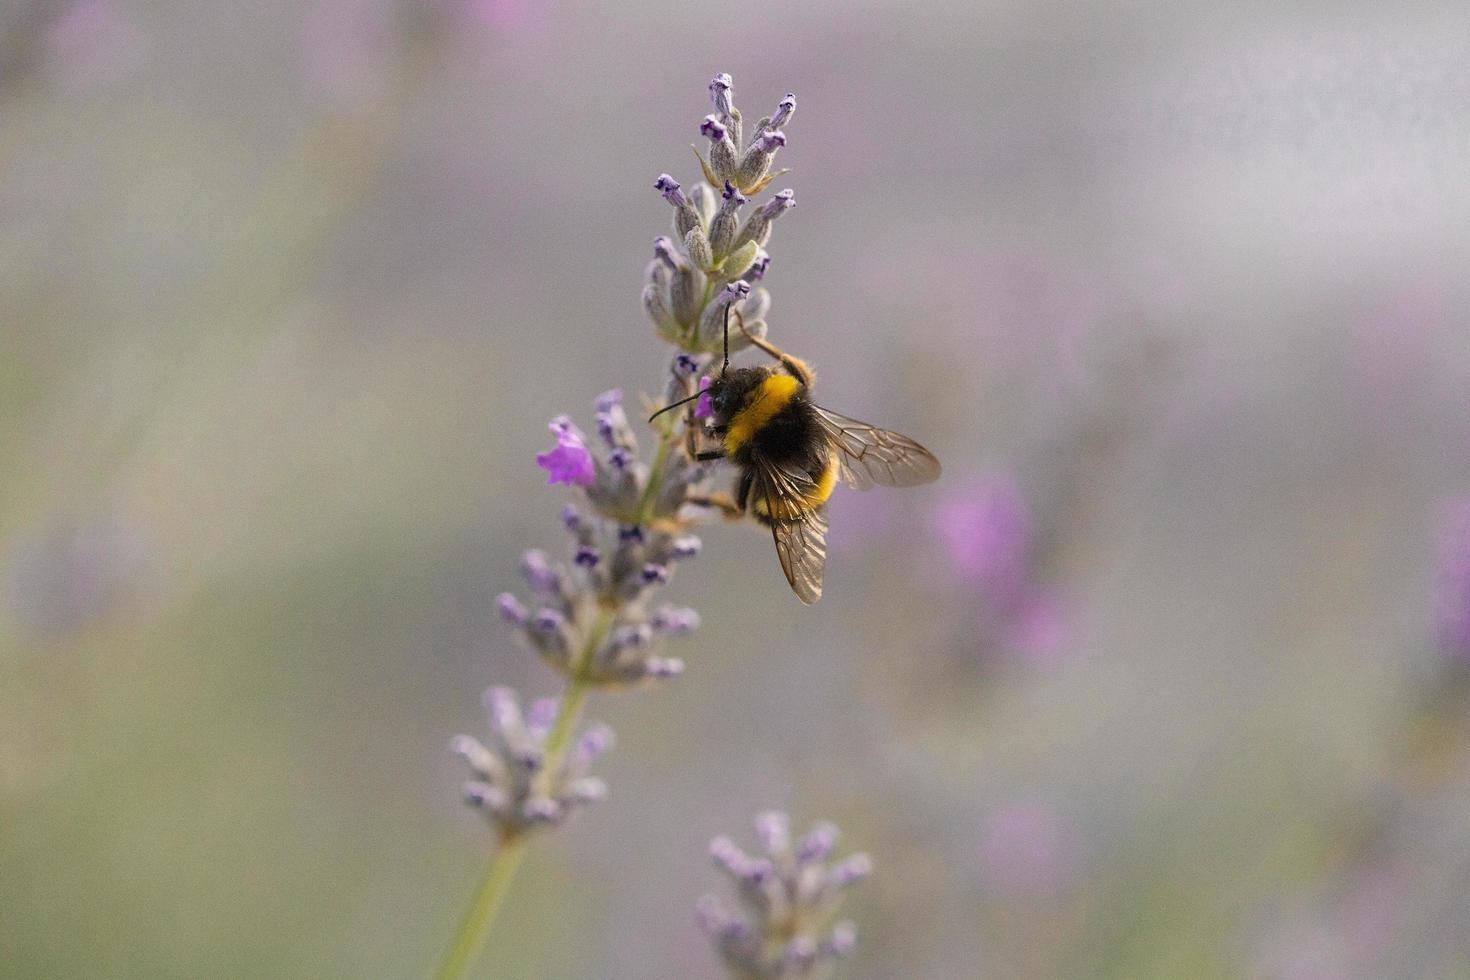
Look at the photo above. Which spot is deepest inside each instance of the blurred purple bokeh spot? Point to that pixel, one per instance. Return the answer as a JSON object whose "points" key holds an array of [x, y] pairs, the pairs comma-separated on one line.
{"points": [[1451, 599], [65, 577], [1027, 851]]}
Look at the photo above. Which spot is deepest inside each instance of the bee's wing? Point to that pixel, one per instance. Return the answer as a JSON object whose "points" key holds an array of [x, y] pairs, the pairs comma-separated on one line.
{"points": [[801, 541], [802, 547], [872, 455]]}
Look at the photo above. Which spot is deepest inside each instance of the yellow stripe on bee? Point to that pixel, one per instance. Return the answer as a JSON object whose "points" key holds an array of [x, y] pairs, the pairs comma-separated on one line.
{"points": [[773, 394], [810, 501]]}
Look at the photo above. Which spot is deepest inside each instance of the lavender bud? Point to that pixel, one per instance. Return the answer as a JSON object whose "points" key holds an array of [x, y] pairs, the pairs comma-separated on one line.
{"points": [[817, 844], [510, 609], [723, 156], [673, 621], [538, 572], [779, 204], [685, 216], [588, 557], [571, 518], [843, 940], [663, 251], [771, 140], [541, 716], [712, 916], [713, 128], [697, 244], [784, 111], [634, 637], [480, 759], [685, 546], [664, 667], [735, 292], [671, 190], [548, 620], [800, 954], [757, 226], [593, 742], [774, 830], [721, 93], [630, 532], [485, 797], [759, 267], [686, 292], [654, 573], [728, 856], [726, 223], [850, 871], [608, 400], [588, 789], [656, 305], [754, 169], [619, 459], [703, 199], [685, 366], [504, 711]]}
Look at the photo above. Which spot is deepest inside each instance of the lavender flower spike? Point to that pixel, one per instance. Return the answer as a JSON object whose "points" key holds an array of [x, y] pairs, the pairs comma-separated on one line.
{"points": [[786, 898], [508, 787]]}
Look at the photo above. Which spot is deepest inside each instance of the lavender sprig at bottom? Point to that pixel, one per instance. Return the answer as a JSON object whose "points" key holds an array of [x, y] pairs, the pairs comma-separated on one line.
{"points": [[787, 898], [594, 615]]}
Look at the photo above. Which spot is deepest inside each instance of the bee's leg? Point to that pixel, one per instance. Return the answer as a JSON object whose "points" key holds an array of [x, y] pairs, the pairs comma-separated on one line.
{"points": [[721, 502], [742, 489], [794, 366]]}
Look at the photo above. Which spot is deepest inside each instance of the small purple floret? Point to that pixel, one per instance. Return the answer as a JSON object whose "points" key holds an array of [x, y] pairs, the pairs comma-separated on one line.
{"points": [[510, 609], [670, 189], [619, 459], [732, 193], [606, 401], [663, 250], [588, 557], [569, 461], [549, 620], [713, 128], [703, 407], [630, 532], [759, 267], [771, 139], [654, 572]]}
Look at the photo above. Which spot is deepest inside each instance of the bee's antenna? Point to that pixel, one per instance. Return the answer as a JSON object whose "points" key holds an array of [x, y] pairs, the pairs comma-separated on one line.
{"points": [[726, 366], [671, 405]]}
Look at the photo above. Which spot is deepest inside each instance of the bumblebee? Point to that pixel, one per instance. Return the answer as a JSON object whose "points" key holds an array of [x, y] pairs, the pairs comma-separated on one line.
{"points": [[791, 452]]}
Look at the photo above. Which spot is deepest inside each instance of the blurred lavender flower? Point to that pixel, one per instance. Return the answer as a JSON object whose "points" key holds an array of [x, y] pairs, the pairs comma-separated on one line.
{"points": [[990, 536], [91, 43], [66, 576], [787, 898], [512, 786], [1026, 851], [1451, 603]]}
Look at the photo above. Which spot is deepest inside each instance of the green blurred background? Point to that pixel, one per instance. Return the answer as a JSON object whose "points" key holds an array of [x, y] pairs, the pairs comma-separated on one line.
{"points": [[1146, 686]]}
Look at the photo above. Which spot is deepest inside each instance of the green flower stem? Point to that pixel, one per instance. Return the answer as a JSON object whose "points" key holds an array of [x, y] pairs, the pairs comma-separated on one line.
{"points": [[470, 938], [655, 476], [506, 861]]}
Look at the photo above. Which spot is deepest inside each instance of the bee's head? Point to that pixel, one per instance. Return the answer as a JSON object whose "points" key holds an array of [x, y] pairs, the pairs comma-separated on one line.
{"points": [[730, 391]]}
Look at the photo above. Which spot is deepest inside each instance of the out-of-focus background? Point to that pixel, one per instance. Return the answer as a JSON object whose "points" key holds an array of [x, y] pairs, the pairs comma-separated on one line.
{"points": [[1165, 678]]}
